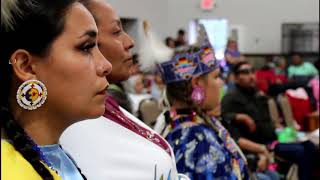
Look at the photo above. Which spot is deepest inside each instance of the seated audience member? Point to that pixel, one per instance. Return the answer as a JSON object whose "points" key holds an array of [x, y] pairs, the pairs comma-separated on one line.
{"points": [[135, 68], [301, 71], [202, 146], [157, 87], [230, 84], [118, 92], [281, 66], [135, 88], [181, 38], [232, 54], [314, 84], [246, 112], [265, 77], [170, 42]]}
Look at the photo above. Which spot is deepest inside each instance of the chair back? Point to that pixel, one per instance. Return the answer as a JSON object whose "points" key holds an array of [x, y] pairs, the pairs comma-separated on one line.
{"points": [[149, 110]]}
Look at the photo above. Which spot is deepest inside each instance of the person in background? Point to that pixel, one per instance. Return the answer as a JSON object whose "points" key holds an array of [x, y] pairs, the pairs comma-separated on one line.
{"points": [[230, 84], [314, 84], [181, 38], [301, 70], [136, 91], [281, 66], [170, 42], [117, 90], [157, 86], [232, 54], [135, 68], [52, 75], [117, 145], [246, 113]]}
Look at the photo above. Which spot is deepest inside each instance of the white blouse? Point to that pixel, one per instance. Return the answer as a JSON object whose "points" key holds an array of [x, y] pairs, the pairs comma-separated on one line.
{"points": [[105, 150]]}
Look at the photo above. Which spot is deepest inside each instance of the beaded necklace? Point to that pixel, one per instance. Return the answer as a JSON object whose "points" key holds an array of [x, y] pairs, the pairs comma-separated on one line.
{"points": [[114, 113], [181, 116], [42, 157]]}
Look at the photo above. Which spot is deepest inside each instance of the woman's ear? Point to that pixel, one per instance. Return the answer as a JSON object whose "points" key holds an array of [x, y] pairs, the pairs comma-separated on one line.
{"points": [[23, 65], [197, 81]]}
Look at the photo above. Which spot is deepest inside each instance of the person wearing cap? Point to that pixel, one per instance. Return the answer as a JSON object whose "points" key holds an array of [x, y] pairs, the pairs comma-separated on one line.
{"points": [[203, 147]]}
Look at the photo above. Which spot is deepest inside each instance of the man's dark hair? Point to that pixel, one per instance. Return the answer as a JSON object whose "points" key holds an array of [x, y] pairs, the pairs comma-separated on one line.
{"points": [[237, 67], [295, 54], [181, 32]]}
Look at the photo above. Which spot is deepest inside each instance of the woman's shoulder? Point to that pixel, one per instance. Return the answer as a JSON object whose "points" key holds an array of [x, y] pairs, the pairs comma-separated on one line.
{"points": [[198, 145], [15, 167], [193, 132]]}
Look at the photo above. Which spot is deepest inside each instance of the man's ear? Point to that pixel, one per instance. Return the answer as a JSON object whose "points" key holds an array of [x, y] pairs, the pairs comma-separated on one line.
{"points": [[236, 79], [23, 65]]}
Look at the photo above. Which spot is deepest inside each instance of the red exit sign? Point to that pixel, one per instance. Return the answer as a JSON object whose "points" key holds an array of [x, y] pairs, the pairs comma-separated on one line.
{"points": [[207, 4]]}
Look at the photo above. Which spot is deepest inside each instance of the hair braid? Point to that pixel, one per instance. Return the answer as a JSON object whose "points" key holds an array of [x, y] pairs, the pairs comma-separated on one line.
{"points": [[22, 27], [24, 144], [181, 91]]}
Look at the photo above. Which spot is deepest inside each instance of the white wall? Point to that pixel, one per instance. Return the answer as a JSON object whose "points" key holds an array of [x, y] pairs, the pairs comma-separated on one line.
{"points": [[260, 21], [155, 11]]}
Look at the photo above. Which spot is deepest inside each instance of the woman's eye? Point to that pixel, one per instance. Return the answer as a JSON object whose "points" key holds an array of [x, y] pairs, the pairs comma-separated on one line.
{"points": [[88, 47], [117, 32]]}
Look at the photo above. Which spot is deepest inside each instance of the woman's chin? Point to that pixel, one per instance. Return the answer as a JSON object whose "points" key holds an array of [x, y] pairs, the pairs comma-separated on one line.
{"points": [[97, 112]]}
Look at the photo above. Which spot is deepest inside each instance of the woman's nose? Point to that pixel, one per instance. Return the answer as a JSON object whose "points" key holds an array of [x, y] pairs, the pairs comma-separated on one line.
{"points": [[104, 67]]}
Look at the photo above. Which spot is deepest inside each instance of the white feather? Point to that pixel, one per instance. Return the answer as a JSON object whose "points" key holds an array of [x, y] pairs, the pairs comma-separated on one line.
{"points": [[152, 51]]}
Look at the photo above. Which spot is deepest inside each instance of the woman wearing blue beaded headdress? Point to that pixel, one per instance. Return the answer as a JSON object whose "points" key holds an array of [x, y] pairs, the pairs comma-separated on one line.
{"points": [[202, 146]]}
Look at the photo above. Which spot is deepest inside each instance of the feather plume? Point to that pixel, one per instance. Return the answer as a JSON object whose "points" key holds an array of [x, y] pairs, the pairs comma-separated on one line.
{"points": [[152, 50]]}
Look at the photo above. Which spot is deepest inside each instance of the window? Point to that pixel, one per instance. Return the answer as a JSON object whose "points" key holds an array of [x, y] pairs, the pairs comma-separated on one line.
{"points": [[217, 30], [300, 38]]}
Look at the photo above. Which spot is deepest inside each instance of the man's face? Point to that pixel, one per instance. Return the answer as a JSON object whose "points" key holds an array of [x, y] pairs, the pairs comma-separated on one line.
{"points": [[245, 77], [296, 60]]}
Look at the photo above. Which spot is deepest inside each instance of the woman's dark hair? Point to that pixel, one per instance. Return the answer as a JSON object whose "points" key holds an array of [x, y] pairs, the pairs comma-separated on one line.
{"points": [[181, 32], [168, 39], [31, 25], [181, 91]]}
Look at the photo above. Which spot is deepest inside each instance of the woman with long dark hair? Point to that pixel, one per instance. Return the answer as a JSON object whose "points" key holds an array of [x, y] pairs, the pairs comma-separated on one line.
{"points": [[203, 148], [52, 75], [126, 147]]}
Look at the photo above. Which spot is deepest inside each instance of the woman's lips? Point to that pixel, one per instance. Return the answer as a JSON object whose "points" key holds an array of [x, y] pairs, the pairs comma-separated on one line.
{"points": [[104, 91], [129, 59]]}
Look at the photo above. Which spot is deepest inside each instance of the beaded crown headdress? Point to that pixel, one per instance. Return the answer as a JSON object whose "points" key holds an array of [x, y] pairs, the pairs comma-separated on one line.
{"points": [[183, 66], [186, 65]]}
